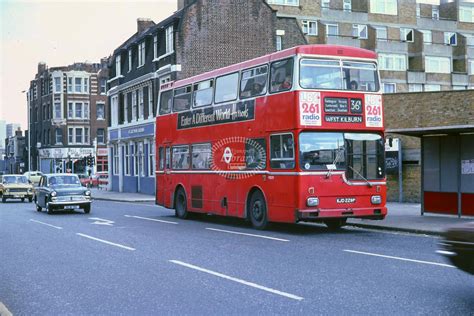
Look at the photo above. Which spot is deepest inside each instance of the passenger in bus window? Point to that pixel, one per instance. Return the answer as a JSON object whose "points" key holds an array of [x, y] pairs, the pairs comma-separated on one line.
{"points": [[256, 89], [286, 84], [354, 85]]}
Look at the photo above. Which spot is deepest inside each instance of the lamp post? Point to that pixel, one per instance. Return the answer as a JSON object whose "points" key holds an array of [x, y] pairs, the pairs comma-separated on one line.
{"points": [[29, 127]]}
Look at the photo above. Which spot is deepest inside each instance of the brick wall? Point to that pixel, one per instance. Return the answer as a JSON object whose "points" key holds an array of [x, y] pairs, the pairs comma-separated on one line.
{"points": [[215, 34]]}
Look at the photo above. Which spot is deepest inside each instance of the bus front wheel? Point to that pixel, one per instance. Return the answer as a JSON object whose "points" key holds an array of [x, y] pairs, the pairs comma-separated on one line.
{"points": [[181, 207], [258, 211]]}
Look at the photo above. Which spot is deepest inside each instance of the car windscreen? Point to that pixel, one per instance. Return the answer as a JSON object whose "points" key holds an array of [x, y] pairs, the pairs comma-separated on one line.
{"points": [[15, 180], [64, 180]]}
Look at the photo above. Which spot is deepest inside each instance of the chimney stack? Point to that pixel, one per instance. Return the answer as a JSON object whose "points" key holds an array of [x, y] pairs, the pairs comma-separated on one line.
{"points": [[143, 24], [41, 67]]}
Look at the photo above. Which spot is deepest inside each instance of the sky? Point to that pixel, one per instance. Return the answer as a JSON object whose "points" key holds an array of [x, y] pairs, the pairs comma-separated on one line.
{"points": [[61, 33]]}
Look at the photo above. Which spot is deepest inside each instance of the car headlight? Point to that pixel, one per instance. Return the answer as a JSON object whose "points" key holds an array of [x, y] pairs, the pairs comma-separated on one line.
{"points": [[6, 191], [376, 199], [53, 193], [312, 201], [88, 193]]}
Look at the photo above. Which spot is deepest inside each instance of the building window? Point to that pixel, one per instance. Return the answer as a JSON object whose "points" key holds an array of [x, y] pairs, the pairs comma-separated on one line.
{"points": [[70, 135], [103, 86], [381, 33], [100, 136], [394, 62], [169, 40], [86, 111], [86, 135], [57, 84], [427, 37], [141, 54], [418, 10], [310, 27], [389, 87], [325, 4], [141, 105], [437, 64], [415, 87], [332, 29], [114, 111], [78, 85], [347, 5], [58, 135], [116, 159], [279, 45], [155, 46], [384, 7], [471, 66], [150, 101], [78, 110], [406, 35], [69, 85], [100, 109], [432, 87], [70, 110], [118, 71], [134, 105], [57, 110], [284, 2], [466, 14], [86, 85], [359, 31], [450, 38], [78, 135], [459, 87], [125, 107], [127, 159], [129, 60], [151, 159], [435, 13]]}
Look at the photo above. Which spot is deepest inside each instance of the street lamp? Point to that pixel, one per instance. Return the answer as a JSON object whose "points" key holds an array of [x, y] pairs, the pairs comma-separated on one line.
{"points": [[29, 127]]}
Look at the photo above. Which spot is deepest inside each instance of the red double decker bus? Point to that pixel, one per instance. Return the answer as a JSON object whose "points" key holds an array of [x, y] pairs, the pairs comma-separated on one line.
{"points": [[292, 136]]}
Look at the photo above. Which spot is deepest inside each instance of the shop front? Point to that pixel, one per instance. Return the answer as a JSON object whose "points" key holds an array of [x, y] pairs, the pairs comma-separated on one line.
{"points": [[65, 159]]}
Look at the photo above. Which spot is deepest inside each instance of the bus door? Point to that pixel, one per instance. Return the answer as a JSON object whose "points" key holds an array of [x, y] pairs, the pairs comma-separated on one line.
{"points": [[163, 176]]}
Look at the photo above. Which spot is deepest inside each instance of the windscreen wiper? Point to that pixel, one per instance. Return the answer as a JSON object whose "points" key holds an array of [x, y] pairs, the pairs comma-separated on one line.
{"points": [[333, 165], [368, 183]]}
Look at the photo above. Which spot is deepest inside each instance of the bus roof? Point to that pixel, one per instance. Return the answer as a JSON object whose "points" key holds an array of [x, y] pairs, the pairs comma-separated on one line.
{"points": [[324, 50]]}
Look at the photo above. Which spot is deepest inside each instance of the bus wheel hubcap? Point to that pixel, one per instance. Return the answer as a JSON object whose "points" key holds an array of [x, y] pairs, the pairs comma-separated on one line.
{"points": [[257, 211]]}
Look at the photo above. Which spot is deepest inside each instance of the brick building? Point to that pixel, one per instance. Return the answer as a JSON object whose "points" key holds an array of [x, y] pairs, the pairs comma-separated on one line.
{"points": [[421, 47], [67, 117], [202, 35]]}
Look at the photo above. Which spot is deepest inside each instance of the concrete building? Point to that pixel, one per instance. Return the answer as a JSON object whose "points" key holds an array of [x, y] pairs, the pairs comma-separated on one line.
{"points": [[68, 117], [200, 36], [12, 128], [421, 47], [16, 153]]}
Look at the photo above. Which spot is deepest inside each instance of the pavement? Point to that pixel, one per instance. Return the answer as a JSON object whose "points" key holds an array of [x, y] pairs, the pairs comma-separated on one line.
{"points": [[401, 217]]}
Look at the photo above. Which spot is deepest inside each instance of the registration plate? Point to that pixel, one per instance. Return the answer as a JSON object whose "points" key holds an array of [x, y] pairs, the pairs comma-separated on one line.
{"points": [[71, 207]]}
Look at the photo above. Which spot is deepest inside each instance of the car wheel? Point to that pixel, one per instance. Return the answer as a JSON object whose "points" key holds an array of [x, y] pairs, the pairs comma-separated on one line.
{"points": [[181, 205], [38, 208], [258, 211], [4, 199], [87, 209], [22, 200], [30, 199], [336, 223]]}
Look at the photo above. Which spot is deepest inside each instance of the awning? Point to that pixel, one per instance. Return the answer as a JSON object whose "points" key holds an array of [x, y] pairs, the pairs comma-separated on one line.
{"points": [[432, 131]]}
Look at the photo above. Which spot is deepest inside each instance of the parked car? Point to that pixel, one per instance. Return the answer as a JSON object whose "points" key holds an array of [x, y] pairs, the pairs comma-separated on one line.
{"points": [[13, 186], [62, 191], [85, 180], [33, 176], [458, 246]]}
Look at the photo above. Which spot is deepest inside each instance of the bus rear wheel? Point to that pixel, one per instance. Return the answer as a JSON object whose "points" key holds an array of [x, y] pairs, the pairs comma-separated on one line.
{"points": [[258, 211], [181, 205], [335, 223]]}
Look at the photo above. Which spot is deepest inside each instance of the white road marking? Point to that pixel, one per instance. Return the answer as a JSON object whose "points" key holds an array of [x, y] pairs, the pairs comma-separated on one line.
{"points": [[101, 221], [260, 287], [57, 227], [245, 234], [399, 258], [106, 242], [151, 219], [4, 310]]}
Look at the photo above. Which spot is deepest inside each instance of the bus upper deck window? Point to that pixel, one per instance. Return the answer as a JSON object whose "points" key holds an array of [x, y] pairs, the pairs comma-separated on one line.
{"points": [[166, 100], [182, 99], [281, 75]]}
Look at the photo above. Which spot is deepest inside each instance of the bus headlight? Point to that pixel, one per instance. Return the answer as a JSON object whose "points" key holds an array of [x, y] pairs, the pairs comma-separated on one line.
{"points": [[312, 201], [376, 199]]}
